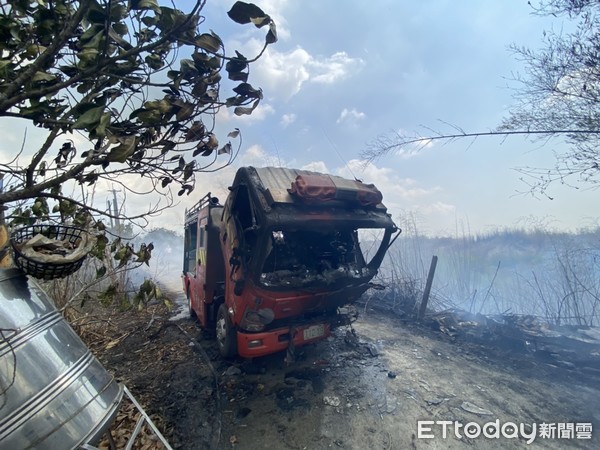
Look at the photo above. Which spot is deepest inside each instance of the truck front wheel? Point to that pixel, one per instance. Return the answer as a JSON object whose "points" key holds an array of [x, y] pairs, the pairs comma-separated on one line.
{"points": [[226, 335]]}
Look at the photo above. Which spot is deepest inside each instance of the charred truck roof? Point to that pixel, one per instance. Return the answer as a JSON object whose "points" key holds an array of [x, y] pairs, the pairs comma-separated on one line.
{"points": [[283, 197]]}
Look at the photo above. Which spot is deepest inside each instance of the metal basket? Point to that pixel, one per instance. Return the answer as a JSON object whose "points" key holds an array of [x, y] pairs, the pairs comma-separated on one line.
{"points": [[47, 270]]}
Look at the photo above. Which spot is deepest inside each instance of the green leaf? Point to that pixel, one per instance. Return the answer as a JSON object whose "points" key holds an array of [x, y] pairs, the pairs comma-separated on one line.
{"points": [[87, 55], [167, 17], [96, 14], [115, 245], [212, 142], [4, 63], [147, 117], [100, 130], [234, 101], [186, 110], [226, 149], [33, 51], [120, 153], [120, 28], [89, 119], [195, 132], [199, 89], [238, 76], [92, 31], [246, 90], [209, 42], [118, 12], [108, 295], [188, 69], [236, 68], [202, 148], [99, 248], [242, 111], [271, 36], [101, 272], [149, 21], [188, 170], [144, 4], [260, 21], [154, 61], [164, 106], [69, 71], [95, 42], [169, 145], [42, 76], [243, 13]]}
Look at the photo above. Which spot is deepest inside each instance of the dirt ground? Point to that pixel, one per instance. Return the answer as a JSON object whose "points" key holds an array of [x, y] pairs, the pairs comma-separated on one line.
{"points": [[365, 389]]}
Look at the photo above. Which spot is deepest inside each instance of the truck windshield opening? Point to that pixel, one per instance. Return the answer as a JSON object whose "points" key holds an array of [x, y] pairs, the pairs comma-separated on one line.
{"points": [[302, 258]]}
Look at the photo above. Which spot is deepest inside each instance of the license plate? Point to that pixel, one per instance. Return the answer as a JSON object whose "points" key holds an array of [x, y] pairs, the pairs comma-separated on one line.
{"points": [[314, 331]]}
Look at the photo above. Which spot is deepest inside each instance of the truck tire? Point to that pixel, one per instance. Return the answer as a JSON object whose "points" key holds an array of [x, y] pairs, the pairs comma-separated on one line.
{"points": [[226, 334]]}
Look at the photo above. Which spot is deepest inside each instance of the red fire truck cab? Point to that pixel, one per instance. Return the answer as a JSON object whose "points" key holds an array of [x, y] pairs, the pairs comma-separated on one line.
{"points": [[270, 267]]}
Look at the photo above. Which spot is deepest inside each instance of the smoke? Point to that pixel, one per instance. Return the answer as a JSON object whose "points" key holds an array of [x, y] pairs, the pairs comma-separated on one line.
{"points": [[165, 266]]}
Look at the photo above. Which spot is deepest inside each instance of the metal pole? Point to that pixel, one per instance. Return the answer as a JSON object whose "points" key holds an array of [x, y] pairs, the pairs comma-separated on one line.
{"points": [[427, 291], [115, 209]]}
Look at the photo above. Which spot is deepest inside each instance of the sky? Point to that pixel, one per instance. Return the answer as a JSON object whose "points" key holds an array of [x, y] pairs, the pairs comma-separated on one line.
{"points": [[344, 73]]}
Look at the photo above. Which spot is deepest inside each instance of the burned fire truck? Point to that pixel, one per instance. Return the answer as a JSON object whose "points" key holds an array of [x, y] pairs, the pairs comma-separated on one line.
{"points": [[270, 268]]}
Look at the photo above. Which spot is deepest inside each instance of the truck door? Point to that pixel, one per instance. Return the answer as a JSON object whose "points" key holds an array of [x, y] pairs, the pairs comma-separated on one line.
{"points": [[201, 280], [240, 237], [189, 248]]}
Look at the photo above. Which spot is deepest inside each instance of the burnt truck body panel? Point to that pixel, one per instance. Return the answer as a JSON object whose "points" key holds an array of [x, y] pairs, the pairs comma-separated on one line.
{"points": [[203, 266], [290, 256]]}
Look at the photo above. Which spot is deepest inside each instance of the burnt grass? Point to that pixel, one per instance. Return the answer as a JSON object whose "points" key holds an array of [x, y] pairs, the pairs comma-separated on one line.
{"points": [[199, 401], [154, 358]]}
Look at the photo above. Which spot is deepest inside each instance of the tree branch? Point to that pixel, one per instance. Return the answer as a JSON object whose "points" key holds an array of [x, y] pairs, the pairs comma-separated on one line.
{"points": [[45, 57], [381, 146]]}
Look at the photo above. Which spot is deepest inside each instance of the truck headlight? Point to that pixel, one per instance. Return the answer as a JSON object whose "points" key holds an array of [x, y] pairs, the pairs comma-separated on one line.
{"points": [[256, 320]]}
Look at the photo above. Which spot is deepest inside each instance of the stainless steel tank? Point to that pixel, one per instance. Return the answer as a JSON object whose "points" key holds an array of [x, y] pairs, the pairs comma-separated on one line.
{"points": [[53, 392]]}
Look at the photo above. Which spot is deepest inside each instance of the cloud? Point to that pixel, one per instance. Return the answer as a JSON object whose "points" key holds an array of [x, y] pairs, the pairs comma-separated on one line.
{"points": [[399, 194], [386, 180], [351, 115], [287, 119], [253, 155], [283, 74], [315, 166], [332, 69], [280, 74]]}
